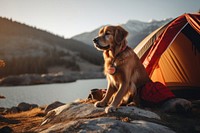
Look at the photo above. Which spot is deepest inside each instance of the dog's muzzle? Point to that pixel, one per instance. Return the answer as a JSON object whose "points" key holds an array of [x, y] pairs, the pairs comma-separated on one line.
{"points": [[96, 44], [96, 40]]}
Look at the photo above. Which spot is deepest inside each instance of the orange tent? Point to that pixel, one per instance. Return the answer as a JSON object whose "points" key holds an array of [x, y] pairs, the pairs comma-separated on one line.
{"points": [[171, 55]]}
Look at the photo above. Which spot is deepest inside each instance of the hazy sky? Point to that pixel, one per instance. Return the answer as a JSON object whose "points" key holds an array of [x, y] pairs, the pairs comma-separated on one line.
{"points": [[71, 17]]}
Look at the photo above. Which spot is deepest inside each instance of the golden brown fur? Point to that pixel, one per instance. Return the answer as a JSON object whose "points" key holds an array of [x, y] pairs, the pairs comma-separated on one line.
{"points": [[123, 69]]}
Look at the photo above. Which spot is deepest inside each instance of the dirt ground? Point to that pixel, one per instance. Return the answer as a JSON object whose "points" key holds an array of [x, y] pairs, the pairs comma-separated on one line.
{"points": [[21, 122]]}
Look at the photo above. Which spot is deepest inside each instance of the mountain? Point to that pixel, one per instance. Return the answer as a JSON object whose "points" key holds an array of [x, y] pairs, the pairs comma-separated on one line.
{"points": [[27, 49], [137, 31]]}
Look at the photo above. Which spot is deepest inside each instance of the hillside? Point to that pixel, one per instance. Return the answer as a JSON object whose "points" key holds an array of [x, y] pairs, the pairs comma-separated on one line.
{"points": [[27, 49], [137, 31]]}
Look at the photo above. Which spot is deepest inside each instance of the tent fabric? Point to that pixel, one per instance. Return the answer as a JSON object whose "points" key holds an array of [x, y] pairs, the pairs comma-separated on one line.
{"points": [[176, 66], [194, 21], [171, 54], [146, 43]]}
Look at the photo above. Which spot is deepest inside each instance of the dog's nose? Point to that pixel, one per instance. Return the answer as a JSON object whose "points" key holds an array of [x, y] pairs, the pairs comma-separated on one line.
{"points": [[95, 40]]}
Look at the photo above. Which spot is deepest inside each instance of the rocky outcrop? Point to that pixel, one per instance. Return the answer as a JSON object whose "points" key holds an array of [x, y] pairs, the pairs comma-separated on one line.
{"points": [[83, 117], [23, 106]]}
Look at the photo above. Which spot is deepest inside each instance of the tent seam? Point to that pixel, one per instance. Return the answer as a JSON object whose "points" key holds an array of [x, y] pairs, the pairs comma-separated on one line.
{"points": [[177, 35]]}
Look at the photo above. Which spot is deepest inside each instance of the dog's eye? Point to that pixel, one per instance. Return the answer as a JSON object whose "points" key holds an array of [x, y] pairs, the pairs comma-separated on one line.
{"points": [[107, 33]]}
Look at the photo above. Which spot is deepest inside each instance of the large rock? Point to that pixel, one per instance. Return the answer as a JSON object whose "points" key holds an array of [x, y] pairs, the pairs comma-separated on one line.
{"points": [[26, 106], [12, 110], [6, 129], [53, 106], [82, 117], [108, 125]]}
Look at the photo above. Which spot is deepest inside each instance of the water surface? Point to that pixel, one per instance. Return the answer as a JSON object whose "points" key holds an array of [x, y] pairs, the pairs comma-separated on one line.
{"points": [[48, 93]]}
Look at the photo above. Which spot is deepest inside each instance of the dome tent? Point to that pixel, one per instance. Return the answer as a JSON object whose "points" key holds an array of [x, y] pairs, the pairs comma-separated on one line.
{"points": [[171, 55]]}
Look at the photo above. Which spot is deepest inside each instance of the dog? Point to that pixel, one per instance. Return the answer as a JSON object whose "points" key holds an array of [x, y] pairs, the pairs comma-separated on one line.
{"points": [[125, 74], [122, 67]]}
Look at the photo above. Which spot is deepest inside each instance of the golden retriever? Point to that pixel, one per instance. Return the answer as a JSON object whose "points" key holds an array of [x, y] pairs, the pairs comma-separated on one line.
{"points": [[127, 77], [123, 69]]}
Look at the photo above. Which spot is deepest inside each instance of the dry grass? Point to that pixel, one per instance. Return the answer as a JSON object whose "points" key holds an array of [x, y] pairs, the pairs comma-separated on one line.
{"points": [[24, 121]]}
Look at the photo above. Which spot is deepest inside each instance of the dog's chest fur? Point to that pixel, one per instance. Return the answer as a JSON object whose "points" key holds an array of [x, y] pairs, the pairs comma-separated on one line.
{"points": [[117, 63], [126, 63]]}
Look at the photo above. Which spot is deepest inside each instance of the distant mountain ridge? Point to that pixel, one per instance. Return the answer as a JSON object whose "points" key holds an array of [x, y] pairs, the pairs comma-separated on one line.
{"points": [[138, 30], [26, 49]]}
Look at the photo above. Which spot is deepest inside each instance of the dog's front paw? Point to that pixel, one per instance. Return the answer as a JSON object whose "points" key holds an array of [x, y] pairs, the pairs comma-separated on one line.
{"points": [[110, 109], [99, 104]]}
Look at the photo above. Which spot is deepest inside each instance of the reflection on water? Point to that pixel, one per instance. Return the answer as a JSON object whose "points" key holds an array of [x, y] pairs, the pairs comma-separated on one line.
{"points": [[46, 94]]}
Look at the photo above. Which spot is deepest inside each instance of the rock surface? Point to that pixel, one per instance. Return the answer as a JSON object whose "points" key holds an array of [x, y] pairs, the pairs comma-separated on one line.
{"points": [[82, 117], [53, 106]]}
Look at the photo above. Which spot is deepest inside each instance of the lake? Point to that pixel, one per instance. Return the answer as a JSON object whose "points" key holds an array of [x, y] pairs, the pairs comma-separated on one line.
{"points": [[49, 93]]}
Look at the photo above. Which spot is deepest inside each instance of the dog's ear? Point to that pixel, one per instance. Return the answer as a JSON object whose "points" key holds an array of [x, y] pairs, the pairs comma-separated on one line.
{"points": [[101, 30], [120, 34]]}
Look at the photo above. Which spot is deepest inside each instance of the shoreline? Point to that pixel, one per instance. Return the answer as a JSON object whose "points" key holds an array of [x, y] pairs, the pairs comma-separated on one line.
{"points": [[37, 79]]}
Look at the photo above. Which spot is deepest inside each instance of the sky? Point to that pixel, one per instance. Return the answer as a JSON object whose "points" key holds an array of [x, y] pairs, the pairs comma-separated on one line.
{"points": [[68, 18]]}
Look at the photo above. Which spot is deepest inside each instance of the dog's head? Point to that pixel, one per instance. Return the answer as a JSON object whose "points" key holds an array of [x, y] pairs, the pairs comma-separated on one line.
{"points": [[110, 38]]}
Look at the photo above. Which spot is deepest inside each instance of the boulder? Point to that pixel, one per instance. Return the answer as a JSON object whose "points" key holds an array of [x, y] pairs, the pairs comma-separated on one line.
{"points": [[24, 106], [34, 106], [12, 110], [132, 111], [53, 106], [108, 125], [6, 129], [83, 117]]}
